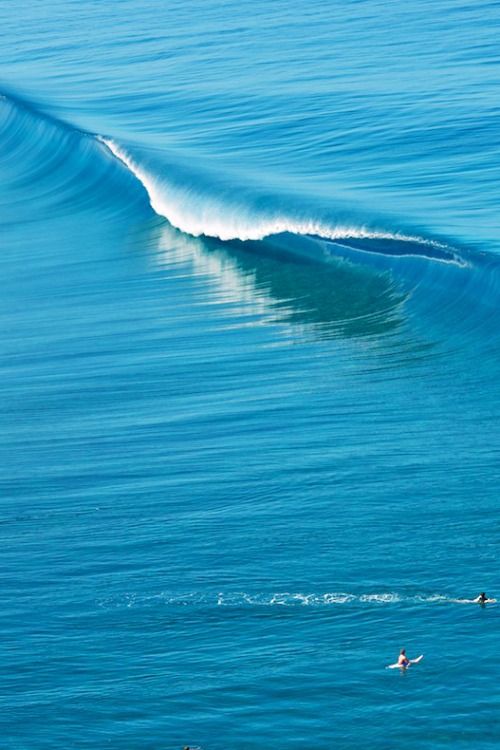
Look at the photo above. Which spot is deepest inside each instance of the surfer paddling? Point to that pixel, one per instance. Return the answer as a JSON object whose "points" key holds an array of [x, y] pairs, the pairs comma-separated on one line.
{"points": [[482, 599]]}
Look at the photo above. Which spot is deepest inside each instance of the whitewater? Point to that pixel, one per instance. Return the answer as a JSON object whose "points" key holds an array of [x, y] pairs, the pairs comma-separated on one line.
{"points": [[249, 374]]}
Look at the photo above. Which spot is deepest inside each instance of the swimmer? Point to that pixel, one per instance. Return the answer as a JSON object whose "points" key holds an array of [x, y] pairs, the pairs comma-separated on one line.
{"points": [[482, 599]]}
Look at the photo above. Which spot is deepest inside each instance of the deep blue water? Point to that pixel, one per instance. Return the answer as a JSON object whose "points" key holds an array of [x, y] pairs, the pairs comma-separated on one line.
{"points": [[250, 378]]}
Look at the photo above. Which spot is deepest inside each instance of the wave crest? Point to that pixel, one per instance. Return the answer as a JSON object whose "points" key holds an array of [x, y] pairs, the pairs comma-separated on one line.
{"points": [[209, 218]]}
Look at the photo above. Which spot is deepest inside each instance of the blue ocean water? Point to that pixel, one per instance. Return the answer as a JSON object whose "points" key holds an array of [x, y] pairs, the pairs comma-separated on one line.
{"points": [[249, 374]]}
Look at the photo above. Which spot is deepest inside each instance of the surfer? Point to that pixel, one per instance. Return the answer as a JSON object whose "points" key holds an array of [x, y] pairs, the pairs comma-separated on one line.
{"points": [[482, 599], [403, 662]]}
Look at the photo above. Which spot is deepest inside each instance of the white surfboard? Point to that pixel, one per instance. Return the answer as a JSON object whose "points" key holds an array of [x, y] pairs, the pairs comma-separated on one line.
{"points": [[401, 666]]}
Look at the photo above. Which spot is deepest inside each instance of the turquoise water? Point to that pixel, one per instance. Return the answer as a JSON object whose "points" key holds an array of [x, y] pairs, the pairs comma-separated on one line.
{"points": [[249, 374]]}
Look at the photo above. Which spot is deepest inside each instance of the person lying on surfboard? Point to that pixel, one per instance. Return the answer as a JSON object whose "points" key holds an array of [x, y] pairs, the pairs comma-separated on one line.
{"points": [[482, 599]]}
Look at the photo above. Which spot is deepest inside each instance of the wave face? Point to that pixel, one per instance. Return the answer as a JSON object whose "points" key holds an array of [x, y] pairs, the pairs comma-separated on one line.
{"points": [[49, 166], [250, 266]]}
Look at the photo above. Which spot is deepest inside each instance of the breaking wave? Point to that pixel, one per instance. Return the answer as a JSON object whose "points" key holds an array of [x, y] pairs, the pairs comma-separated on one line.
{"points": [[50, 167], [65, 165], [185, 210]]}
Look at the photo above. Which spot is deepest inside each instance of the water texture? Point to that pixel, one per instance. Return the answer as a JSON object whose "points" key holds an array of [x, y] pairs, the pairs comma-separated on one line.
{"points": [[250, 405]]}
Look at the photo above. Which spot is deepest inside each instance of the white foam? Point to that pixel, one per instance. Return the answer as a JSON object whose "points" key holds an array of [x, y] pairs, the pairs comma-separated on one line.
{"points": [[380, 598]]}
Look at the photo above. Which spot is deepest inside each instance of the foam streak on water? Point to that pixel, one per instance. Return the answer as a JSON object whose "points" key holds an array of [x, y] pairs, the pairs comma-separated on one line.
{"points": [[280, 599]]}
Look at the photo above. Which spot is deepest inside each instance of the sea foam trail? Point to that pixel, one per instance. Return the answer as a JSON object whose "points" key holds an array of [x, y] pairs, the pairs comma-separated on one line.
{"points": [[281, 599], [212, 219]]}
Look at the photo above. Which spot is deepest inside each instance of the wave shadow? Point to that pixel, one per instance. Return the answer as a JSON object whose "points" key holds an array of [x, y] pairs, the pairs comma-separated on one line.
{"points": [[287, 279]]}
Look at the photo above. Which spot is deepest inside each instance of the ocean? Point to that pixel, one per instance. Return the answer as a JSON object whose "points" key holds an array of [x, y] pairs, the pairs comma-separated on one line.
{"points": [[249, 333]]}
